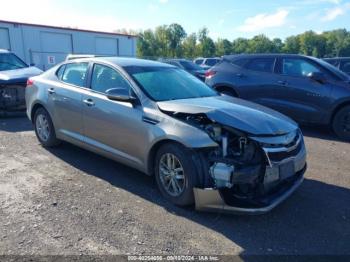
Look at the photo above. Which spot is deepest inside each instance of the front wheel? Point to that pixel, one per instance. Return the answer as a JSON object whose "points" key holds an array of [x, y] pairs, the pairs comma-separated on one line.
{"points": [[44, 128], [341, 123], [176, 174]]}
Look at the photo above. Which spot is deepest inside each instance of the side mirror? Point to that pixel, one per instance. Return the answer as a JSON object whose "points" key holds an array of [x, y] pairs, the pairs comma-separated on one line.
{"points": [[318, 77], [120, 94]]}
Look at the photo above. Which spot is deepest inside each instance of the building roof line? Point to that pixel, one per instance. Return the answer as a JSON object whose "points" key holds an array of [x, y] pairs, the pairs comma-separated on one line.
{"points": [[68, 28]]}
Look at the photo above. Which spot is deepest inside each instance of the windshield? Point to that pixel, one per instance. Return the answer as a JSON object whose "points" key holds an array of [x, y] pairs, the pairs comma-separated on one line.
{"points": [[334, 70], [164, 83], [9, 61], [190, 66]]}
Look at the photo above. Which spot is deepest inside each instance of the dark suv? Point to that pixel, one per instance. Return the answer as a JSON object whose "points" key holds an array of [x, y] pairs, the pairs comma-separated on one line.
{"points": [[305, 88], [343, 63]]}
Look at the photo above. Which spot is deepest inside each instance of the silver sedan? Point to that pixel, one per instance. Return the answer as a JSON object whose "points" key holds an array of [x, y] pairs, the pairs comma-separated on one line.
{"points": [[215, 151]]}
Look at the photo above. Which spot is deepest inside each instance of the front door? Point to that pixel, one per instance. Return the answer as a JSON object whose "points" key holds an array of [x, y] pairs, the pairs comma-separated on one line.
{"points": [[298, 96], [114, 127]]}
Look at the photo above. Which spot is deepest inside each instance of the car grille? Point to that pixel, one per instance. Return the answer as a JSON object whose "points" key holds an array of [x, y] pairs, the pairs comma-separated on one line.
{"points": [[279, 156], [12, 96], [276, 153]]}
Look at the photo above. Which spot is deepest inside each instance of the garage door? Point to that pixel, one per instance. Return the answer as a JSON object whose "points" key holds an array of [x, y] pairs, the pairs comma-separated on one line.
{"points": [[54, 48], [106, 46], [4, 39]]}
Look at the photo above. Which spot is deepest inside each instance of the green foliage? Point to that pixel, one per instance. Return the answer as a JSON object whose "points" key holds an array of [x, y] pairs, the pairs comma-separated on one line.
{"points": [[173, 41]]}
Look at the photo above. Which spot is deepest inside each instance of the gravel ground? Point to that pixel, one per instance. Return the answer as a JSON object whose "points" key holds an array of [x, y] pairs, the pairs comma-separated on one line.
{"points": [[67, 201]]}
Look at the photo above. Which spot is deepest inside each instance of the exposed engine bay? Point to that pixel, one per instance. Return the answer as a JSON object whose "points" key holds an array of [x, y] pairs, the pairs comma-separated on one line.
{"points": [[238, 166]]}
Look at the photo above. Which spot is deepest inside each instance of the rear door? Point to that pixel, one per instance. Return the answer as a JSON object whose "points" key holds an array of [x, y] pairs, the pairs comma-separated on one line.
{"points": [[296, 95], [65, 100], [257, 81]]}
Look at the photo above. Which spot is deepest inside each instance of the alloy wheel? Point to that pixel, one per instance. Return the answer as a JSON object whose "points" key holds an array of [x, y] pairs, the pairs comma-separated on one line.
{"points": [[172, 175], [42, 127]]}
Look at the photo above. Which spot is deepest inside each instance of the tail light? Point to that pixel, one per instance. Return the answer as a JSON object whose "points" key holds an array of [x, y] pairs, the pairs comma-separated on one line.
{"points": [[30, 82], [210, 73]]}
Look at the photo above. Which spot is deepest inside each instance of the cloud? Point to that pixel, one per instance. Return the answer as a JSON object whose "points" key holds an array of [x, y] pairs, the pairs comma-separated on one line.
{"points": [[333, 13], [163, 1], [263, 21]]}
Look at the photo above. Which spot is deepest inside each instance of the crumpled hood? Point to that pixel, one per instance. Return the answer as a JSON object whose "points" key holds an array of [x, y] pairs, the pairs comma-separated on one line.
{"points": [[248, 117], [19, 74]]}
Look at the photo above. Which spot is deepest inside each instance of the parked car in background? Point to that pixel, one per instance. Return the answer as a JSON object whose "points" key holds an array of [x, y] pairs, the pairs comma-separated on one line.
{"points": [[13, 78], [217, 151], [305, 88], [206, 63], [342, 63], [78, 56], [188, 66]]}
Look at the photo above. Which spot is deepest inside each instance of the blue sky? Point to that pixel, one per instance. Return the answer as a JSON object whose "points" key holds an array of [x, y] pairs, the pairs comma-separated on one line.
{"points": [[224, 18]]}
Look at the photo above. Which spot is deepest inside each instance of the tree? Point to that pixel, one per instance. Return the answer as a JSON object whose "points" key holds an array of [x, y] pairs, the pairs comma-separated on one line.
{"points": [[223, 47], [172, 41], [260, 44], [206, 44], [278, 45], [240, 46], [147, 45], [189, 46], [292, 45], [176, 34]]}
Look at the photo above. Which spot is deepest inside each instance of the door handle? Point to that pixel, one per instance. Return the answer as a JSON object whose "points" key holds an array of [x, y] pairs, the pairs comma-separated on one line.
{"points": [[89, 102], [51, 91]]}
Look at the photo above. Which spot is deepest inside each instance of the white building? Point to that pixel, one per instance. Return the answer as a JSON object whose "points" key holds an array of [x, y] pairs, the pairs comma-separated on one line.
{"points": [[46, 46]]}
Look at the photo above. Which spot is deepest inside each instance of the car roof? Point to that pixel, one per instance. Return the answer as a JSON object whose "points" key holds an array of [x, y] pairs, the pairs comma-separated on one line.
{"points": [[178, 60], [233, 57], [337, 58], [125, 61]]}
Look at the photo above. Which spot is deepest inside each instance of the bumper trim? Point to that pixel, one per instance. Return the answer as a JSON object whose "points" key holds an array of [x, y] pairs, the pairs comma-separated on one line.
{"points": [[209, 199]]}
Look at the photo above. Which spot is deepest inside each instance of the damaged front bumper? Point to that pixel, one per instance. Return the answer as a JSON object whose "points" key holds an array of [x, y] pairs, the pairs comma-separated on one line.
{"points": [[279, 181]]}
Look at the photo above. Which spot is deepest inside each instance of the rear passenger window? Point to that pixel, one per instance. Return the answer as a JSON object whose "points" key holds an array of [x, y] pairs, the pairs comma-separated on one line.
{"points": [[240, 62], [75, 74], [261, 64]]}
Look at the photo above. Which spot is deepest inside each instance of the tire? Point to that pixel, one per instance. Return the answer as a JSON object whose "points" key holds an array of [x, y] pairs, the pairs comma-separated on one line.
{"points": [[185, 158], [341, 123], [44, 129], [228, 93]]}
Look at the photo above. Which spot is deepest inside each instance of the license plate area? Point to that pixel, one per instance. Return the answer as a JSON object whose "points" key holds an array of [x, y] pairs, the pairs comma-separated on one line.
{"points": [[286, 170]]}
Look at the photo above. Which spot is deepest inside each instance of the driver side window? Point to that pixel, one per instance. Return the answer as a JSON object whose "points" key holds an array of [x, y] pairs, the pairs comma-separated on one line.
{"points": [[298, 67], [104, 78]]}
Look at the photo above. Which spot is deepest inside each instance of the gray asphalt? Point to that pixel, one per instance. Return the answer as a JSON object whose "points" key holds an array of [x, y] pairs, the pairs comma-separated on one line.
{"points": [[68, 201]]}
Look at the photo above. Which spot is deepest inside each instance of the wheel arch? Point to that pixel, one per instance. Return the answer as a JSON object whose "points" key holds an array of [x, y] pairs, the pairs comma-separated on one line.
{"points": [[224, 87], [337, 108], [153, 151], [34, 109]]}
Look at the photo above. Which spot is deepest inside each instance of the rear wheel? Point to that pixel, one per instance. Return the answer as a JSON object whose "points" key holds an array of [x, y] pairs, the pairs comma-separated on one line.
{"points": [[341, 123], [44, 128], [176, 174]]}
